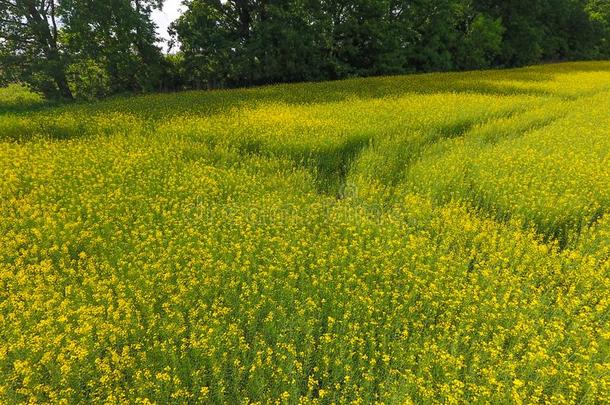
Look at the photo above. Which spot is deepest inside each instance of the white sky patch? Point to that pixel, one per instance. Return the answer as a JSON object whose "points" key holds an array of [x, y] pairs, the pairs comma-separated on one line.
{"points": [[171, 10]]}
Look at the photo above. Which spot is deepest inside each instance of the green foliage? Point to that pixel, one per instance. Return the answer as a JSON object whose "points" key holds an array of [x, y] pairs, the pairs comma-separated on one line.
{"points": [[599, 12], [17, 96], [40, 41], [121, 39], [88, 80], [237, 43], [29, 46], [481, 43]]}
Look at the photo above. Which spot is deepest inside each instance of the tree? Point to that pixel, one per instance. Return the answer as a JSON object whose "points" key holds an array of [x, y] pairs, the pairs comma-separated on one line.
{"points": [[598, 12], [285, 42], [116, 34], [30, 47], [542, 29], [241, 42], [110, 46], [480, 41], [364, 37], [208, 43], [42, 40]]}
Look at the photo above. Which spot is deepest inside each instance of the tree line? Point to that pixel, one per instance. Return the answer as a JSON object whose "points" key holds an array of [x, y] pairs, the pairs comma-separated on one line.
{"points": [[91, 48]]}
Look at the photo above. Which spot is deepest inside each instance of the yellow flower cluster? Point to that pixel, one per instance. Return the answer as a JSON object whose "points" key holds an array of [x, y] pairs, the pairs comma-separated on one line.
{"points": [[439, 238]]}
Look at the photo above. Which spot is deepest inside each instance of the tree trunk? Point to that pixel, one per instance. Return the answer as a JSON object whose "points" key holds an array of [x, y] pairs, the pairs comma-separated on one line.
{"points": [[58, 73], [62, 84], [47, 38]]}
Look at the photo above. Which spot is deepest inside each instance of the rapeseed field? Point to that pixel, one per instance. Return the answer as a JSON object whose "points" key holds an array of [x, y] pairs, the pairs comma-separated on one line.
{"points": [[438, 238]]}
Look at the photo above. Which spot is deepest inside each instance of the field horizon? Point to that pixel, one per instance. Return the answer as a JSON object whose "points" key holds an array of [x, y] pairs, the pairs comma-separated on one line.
{"points": [[430, 238]]}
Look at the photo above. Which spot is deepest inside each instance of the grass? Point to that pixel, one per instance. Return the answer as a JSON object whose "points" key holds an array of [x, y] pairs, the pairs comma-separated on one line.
{"points": [[17, 97], [438, 238]]}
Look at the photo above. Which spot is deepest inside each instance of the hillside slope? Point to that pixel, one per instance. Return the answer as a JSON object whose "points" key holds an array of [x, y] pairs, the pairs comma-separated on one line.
{"points": [[437, 238]]}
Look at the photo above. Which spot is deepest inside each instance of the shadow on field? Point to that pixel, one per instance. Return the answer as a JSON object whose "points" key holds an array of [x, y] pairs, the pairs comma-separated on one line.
{"points": [[332, 166], [204, 103]]}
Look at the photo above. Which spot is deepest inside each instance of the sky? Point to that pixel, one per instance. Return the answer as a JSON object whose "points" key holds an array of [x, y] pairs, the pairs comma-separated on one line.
{"points": [[171, 11]]}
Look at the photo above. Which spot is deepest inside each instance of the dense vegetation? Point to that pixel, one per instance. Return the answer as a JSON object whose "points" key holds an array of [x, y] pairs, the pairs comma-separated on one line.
{"points": [[90, 49], [245, 42], [439, 238]]}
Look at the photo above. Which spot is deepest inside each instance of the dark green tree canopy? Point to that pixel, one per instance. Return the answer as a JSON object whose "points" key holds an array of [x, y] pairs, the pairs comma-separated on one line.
{"points": [[239, 42], [52, 44], [92, 48], [118, 34], [29, 46]]}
